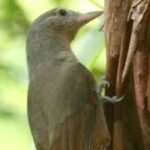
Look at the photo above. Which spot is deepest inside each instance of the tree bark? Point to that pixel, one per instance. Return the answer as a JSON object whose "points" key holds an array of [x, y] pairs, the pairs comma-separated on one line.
{"points": [[127, 35]]}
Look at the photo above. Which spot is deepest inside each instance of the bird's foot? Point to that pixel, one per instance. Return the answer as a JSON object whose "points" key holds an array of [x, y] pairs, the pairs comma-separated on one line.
{"points": [[103, 84], [113, 99]]}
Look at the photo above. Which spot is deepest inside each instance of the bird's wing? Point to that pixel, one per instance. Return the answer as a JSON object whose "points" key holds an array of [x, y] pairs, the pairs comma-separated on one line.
{"points": [[65, 108]]}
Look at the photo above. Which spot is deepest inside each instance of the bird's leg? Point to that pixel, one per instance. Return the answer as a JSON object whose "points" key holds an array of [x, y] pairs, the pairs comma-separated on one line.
{"points": [[103, 84]]}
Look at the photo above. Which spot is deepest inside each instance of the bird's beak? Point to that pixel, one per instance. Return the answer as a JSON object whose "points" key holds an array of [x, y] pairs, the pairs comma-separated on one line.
{"points": [[85, 18]]}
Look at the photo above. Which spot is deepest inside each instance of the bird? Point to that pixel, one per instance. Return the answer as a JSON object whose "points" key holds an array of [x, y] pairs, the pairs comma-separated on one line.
{"points": [[64, 108]]}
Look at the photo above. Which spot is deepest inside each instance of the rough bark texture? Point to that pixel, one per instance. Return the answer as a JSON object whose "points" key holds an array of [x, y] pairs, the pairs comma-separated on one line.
{"points": [[127, 28]]}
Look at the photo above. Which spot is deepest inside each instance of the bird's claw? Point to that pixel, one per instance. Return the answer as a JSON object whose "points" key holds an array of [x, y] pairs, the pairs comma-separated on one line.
{"points": [[112, 100], [103, 83]]}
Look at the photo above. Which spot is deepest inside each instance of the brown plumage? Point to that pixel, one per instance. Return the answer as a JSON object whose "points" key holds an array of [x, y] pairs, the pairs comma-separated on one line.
{"points": [[64, 109]]}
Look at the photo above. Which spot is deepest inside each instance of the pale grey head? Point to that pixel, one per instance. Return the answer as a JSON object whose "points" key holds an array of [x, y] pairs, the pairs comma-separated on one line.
{"points": [[53, 31], [63, 21]]}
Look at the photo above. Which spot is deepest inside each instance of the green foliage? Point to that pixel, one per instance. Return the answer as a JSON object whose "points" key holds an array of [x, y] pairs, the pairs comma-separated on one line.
{"points": [[12, 17], [15, 17]]}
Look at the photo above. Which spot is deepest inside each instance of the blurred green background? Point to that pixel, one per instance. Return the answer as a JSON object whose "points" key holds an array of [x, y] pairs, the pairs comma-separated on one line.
{"points": [[15, 18]]}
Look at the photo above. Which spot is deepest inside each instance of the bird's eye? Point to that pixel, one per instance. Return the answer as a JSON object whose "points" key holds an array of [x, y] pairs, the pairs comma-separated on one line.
{"points": [[62, 12]]}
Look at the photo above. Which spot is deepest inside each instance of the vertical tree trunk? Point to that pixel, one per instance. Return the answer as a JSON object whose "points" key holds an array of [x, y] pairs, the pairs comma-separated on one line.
{"points": [[127, 33]]}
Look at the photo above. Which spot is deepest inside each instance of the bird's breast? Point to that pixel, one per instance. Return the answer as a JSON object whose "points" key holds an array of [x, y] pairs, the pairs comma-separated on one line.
{"points": [[61, 88]]}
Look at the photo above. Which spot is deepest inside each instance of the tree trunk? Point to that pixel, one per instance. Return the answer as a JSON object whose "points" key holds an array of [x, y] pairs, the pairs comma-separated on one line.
{"points": [[127, 33]]}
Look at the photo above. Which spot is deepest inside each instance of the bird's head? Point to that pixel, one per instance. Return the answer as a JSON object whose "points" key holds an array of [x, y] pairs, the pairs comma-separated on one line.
{"points": [[64, 22]]}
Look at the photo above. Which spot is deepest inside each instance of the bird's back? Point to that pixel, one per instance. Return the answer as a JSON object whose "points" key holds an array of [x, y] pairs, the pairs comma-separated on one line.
{"points": [[64, 99]]}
